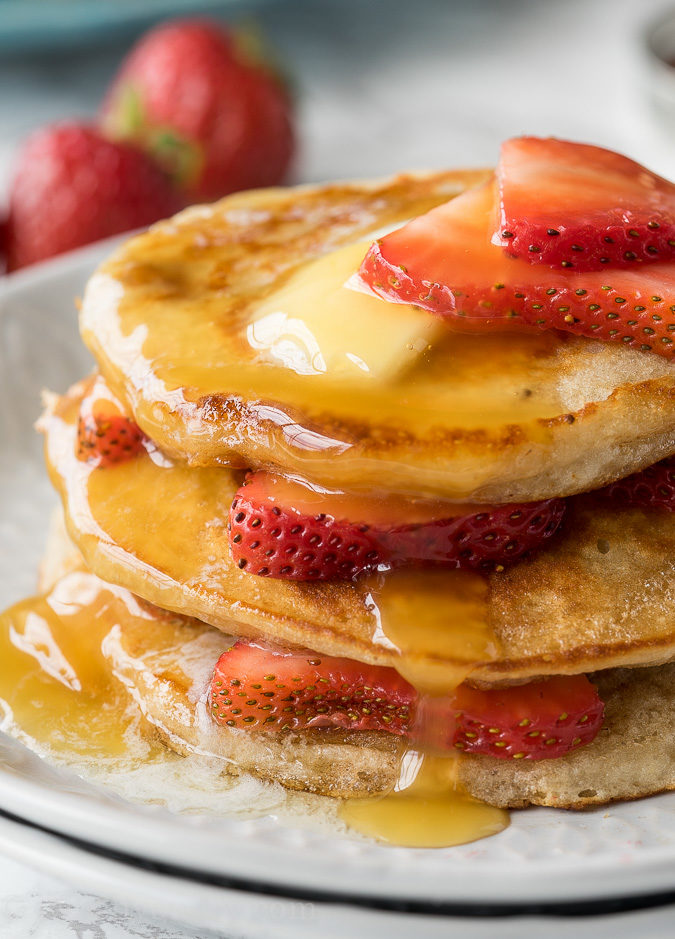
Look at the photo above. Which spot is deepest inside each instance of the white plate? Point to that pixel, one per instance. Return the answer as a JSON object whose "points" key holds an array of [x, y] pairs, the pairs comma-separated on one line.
{"points": [[245, 915], [545, 856]]}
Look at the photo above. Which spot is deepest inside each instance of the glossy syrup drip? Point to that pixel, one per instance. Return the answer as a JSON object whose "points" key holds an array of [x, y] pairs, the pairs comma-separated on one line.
{"points": [[436, 621], [428, 808], [438, 624], [56, 687]]}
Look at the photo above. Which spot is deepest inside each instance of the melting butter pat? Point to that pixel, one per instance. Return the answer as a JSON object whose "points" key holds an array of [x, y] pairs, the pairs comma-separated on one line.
{"points": [[316, 324]]}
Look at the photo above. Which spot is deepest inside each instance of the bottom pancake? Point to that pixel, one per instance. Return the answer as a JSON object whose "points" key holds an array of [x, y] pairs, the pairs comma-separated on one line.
{"points": [[632, 756], [165, 661]]}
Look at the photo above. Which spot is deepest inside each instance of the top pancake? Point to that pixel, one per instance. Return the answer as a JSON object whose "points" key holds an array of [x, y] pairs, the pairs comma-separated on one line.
{"points": [[600, 595], [496, 418]]}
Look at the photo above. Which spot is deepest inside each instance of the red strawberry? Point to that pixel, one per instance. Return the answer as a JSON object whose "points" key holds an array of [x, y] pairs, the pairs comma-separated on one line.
{"points": [[264, 688], [444, 262], [539, 720], [259, 687], [74, 187], [653, 488], [213, 118], [3, 243], [271, 138], [576, 206], [105, 438], [281, 528]]}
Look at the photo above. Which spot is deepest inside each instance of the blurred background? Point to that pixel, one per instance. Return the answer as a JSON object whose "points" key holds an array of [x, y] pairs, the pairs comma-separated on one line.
{"points": [[378, 85]]}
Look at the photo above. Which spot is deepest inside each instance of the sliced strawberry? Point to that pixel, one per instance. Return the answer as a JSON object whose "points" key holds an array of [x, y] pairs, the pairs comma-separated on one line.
{"points": [[577, 206], [282, 528], [105, 438], [260, 687], [445, 262], [539, 720], [653, 488], [264, 688]]}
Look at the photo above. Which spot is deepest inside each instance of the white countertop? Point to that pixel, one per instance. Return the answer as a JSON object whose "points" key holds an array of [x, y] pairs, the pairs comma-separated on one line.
{"points": [[34, 906], [383, 85]]}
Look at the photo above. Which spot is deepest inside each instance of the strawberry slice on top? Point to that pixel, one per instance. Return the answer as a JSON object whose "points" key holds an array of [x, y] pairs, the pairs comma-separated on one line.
{"points": [[445, 262], [283, 528], [259, 687], [578, 206]]}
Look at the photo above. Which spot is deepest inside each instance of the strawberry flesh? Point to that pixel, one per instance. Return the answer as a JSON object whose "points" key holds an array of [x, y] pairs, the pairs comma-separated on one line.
{"points": [[107, 439], [539, 720], [583, 207], [652, 488], [260, 687], [444, 262], [280, 528]]}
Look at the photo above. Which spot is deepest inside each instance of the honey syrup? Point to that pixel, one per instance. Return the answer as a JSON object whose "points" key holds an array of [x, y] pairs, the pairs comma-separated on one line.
{"points": [[56, 687], [437, 622]]}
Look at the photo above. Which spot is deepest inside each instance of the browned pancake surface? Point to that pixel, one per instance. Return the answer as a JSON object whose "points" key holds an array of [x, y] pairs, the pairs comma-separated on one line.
{"points": [[490, 418]]}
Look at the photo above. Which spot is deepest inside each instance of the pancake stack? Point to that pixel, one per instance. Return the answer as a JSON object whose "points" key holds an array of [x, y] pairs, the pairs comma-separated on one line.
{"points": [[247, 378]]}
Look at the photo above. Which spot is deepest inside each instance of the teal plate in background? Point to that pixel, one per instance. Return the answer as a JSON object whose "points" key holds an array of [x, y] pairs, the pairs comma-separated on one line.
{"points": [[28, 25]]}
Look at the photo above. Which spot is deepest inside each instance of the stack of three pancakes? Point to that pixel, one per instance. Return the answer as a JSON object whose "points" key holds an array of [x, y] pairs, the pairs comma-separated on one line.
{"points": [[229, 336]]}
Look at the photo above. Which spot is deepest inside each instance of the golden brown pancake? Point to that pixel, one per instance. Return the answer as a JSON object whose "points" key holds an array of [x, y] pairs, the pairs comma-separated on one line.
{"points": [[496, 418], [600, 595], [166, 664]]}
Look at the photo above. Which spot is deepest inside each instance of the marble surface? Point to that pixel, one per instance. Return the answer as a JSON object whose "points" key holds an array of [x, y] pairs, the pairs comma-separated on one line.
{"points": [[382, 85], [34, 906]]}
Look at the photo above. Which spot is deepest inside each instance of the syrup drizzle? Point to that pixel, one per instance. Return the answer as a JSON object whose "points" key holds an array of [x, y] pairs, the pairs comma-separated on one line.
{"points": [[427, 809], [155, 517], [444, 614], [56, 687], [337, 374]]}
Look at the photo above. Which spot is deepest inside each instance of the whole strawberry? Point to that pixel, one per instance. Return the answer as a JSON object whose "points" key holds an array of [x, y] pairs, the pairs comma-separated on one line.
{"points": [[214, 118], [73, 187]]}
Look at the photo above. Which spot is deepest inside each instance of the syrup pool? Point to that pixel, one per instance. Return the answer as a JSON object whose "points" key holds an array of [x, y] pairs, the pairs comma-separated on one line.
{"points": [[427, 809], [56, 686], [59, 694]]}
